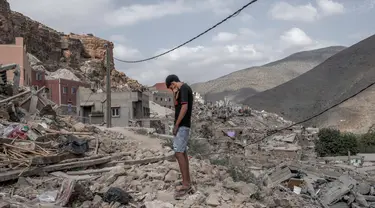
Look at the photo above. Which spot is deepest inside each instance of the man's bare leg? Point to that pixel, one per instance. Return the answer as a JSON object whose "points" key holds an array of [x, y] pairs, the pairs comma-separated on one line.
{"points": [[188, 167], [183, 168]]}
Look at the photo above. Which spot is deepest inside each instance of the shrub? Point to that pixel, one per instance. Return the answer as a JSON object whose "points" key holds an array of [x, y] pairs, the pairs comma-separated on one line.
{"points": [[240, 173], [367, 142], [332, 142], [197, 147], [222, 162]]}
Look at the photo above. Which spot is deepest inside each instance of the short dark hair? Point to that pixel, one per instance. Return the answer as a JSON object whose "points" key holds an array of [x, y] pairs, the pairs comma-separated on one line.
{"points": [[171, 78]]}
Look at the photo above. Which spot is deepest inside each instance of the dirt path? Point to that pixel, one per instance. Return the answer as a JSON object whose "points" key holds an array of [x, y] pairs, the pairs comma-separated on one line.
{"points": [[143, 141]]}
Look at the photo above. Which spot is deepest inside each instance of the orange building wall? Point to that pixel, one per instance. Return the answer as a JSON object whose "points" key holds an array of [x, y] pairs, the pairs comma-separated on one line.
{"points": [[15, 53]]}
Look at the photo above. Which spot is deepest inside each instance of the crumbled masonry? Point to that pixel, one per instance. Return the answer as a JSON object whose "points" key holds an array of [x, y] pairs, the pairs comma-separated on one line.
{"points": [[50, 160]]}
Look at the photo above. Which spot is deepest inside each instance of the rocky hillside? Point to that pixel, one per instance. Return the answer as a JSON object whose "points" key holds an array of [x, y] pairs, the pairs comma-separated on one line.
{"points": [[336, 79], [244, 83], [82, 54]]}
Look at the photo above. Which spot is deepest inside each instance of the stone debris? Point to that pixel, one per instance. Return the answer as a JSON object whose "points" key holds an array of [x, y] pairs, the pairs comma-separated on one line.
{"points": [[158, 111], [62, 74], [237, 159]]}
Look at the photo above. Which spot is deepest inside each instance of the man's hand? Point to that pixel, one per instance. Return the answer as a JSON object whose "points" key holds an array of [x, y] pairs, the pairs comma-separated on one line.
{"points": [[175, 129]]}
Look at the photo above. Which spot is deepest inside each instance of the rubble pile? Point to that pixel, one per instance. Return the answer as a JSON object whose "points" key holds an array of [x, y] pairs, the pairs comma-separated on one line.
{"points": [[158, 111], [50, 157], [56, 161], [230, 129], [245, 140], [47, 160], [62, 74]]}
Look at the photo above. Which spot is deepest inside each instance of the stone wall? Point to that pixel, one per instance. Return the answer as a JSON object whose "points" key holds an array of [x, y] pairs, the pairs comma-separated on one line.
{"points": [[6, 26]]}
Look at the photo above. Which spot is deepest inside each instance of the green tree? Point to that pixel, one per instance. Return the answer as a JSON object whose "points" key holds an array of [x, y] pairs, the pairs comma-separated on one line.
{"points": [[332, 142]]}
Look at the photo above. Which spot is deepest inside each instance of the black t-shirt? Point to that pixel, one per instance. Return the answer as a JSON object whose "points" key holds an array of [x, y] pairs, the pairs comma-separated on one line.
{"points": [[185, 97]]}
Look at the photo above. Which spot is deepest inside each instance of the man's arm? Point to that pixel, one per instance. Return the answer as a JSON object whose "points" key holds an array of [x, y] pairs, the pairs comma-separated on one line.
{"points": [[184, 101]]}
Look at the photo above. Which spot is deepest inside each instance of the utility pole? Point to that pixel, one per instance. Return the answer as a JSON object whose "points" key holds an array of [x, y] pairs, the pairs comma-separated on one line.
{"points": [[108, 66]]}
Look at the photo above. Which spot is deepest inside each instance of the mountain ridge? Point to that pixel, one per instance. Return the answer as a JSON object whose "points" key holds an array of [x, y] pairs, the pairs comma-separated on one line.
{"points": [[329, 83], [244, 83]]}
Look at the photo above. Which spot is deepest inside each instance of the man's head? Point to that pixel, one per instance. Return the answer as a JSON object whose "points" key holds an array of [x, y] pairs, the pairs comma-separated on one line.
{"points": [[172, 82]]}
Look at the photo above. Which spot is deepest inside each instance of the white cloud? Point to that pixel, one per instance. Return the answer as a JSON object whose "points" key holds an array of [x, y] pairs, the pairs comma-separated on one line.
{"points": [[242, 35], [330, 7], [245, 17], [218, 7], [123, 52], [205, 62], [306, 12], [117, 38], [79, 16], [247, 32], [198, 63], [364, 6], [67, 15], [139, 12], [296, 37], [224, 37], [286, 11]]}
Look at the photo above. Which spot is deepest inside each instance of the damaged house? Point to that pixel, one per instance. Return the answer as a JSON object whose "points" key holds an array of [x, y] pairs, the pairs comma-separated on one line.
{"points": [[125, 106]]}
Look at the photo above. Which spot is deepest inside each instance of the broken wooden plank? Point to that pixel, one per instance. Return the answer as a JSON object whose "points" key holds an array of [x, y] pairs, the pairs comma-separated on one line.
{"points": [[23, 149], [15, 96], [73, 177], [66, 191], [83, 158], [146, 160], [51, 132], [79, 164], [46, 160], [93, 171], [14, 174], [33, 104], [97, 145]]}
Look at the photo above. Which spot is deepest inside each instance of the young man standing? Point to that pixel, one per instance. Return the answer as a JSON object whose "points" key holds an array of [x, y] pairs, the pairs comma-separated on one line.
{"points": [[183, 101]]}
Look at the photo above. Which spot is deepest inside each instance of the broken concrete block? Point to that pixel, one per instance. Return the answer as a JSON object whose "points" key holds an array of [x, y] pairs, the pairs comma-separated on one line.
{"points": [[97, 201], [232, 123], [171, 176], [240, 187], [340, 205], [370, 198], [289, 138], [158, 204], [340, 188], [364, 188], [4, 204], [213, 200], [79, 127], [312, 130], [279, 176], [360, 199]]}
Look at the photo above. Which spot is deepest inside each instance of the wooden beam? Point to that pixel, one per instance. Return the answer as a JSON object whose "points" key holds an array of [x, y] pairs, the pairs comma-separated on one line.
{"points": [[15, 96]]}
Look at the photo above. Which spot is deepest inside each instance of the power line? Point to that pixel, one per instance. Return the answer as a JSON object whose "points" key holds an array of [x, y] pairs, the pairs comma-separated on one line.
{"points": [[192, 39], [272, 132]]}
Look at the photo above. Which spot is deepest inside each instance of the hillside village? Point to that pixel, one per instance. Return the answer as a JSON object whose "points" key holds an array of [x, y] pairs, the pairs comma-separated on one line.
{"points": [[246, 148]]}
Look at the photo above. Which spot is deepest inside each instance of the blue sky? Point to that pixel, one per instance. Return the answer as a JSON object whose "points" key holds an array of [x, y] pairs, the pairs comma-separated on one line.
{"points": [[266, 31]]}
